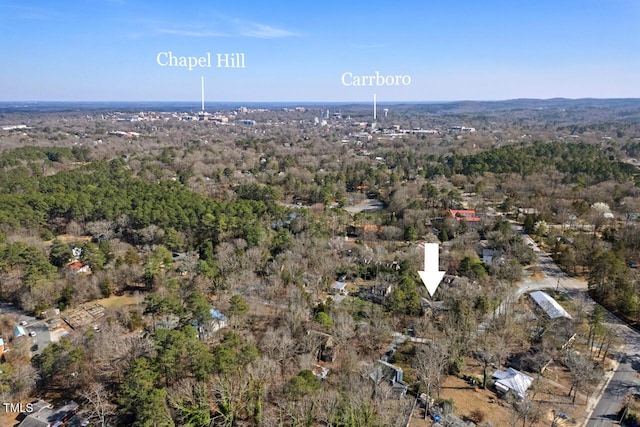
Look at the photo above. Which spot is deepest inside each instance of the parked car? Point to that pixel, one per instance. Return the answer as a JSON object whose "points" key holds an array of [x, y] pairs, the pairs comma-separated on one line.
{"points": [[32, 333]]}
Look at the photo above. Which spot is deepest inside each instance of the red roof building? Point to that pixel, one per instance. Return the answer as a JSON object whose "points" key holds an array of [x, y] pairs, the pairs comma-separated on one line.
{"points": [[468, 215], [78, 267]]}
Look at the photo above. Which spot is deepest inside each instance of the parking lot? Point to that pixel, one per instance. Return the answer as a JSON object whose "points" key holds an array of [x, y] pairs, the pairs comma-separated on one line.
{"points": [[37, 330], [42, 337]]}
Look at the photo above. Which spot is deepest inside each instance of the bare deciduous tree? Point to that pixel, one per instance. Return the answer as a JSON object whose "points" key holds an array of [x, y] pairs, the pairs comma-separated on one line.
{"points": [[98, 407], [583, 372], [23, 380], [278, 344], [430, 363]]}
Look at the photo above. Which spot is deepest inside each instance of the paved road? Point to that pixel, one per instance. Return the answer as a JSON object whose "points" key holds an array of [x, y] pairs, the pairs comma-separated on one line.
{"points": [[624, 380], [42, 336], [366, 206]]}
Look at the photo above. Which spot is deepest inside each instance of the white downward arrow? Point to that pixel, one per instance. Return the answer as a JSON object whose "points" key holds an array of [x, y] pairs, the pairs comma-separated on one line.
{"points": [[431, 276]]}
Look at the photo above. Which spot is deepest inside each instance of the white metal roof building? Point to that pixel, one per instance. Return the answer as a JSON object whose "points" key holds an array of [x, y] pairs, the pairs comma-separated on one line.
{"points": [[549, 305], [512, 380]]}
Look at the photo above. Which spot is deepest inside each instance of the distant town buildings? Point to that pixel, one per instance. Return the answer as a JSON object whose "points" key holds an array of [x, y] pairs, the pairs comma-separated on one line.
{"points": [[246, 122], [461, 129], [125, 134], [14, 127]]}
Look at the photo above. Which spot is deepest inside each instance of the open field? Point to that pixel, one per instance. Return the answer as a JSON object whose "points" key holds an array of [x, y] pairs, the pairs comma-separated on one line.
{"points": [[116, 301]]}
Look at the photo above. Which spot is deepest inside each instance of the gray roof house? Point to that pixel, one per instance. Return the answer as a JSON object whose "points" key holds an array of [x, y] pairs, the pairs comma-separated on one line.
{"points": [[392, 374], [43, 414]]}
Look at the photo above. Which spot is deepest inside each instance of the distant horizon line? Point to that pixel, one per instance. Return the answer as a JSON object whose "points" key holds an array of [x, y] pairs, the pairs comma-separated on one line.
{"points": [[359, 102]]}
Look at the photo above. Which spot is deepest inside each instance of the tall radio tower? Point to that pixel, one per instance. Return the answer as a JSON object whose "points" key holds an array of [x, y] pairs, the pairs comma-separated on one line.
{"points": [[375, 108], [202, 78]]}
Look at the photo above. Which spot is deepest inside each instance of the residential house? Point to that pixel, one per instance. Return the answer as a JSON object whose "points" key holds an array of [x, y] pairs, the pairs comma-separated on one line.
{"points": [[376, 294], [386, 371], [512, 381], [218, 320], [211, 326], [455, 281], [468, 215], [338, 288], [492, 256], [528, 211], [43, 414], [185, 262], [320, 371], [327, 351], [166, 321], [451, 420], [436, 306], [78, 267], [19, 331]]}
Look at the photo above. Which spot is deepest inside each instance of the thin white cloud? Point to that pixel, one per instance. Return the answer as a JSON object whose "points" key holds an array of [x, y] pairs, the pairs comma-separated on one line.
{"points": [[217, 27], [192, 33], [262, 31], [370, 46], [32, 13]]}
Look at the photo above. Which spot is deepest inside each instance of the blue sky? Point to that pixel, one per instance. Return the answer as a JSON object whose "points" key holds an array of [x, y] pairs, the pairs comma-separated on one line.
{"points": [[106, 50]]}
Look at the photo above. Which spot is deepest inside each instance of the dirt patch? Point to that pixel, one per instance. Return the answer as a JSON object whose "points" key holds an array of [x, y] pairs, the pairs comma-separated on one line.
{"points": [[69, 238], [9, 418], [467, 399], [57, 334], [535, 273], [115, 301], [549, 395]]}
